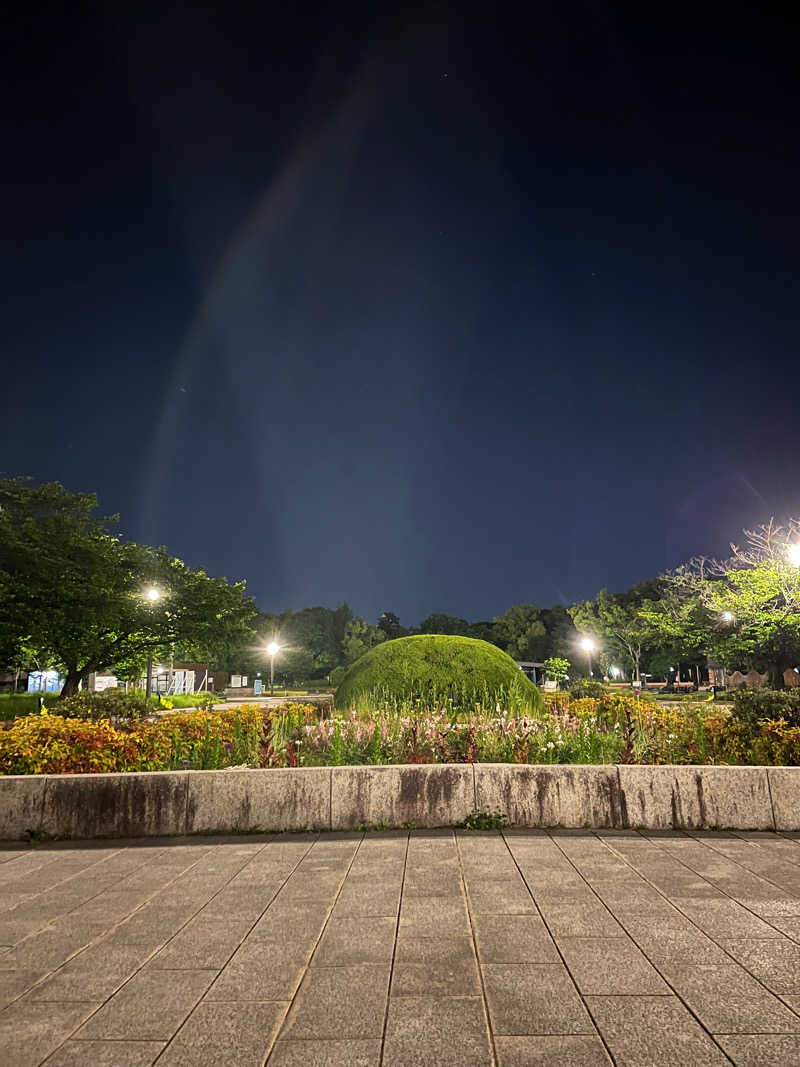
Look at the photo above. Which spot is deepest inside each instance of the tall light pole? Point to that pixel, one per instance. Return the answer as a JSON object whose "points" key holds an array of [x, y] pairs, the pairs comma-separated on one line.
{"points": [[273, 648], [587, 644], [151, 596]]}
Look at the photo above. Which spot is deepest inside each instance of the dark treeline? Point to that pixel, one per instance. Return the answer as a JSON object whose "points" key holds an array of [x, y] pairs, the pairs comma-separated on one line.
{"points": [[319, 643]]}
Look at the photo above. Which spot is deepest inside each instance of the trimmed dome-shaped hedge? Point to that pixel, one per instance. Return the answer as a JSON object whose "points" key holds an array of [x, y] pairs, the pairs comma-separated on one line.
{"points": [[436, 664]]}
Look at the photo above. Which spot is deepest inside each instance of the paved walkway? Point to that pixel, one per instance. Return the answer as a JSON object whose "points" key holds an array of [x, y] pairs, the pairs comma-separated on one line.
{"points": [[422, 949]]}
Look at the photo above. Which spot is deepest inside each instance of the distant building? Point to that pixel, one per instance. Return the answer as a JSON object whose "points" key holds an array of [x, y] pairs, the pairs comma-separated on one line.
{"points": [[534, 671]]}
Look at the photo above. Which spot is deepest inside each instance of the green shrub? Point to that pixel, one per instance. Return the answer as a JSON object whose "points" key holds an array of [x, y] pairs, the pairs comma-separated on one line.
{"points": [[435, 667], [751, 705], [586, 687], [108, 704], [337, 674]]}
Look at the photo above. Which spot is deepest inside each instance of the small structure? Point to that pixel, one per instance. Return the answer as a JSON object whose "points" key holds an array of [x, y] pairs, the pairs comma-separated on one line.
{"points": [[534, 671]]}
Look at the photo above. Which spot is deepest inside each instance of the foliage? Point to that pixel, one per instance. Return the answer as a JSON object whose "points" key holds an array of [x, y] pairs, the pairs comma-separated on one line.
{"points": [[752, 705], [586, 687], [336, 675], [556, 668], [522, 633], [15, 704], [389, 623], [620, 622], [438, 667], [53, 744], [72, 591], [445, 624], [485, 820], [615, 728], [111, 704]]}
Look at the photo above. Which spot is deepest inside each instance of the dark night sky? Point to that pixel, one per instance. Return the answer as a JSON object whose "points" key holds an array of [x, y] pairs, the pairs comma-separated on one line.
{"points": [[435, 314]]}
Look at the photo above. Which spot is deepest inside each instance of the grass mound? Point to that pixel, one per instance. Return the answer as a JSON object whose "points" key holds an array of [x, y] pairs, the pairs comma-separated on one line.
{"points": [[436, 666]]}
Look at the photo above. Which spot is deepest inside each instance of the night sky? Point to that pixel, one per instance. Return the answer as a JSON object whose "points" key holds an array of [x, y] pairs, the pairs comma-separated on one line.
{"points": [[434, 312]]}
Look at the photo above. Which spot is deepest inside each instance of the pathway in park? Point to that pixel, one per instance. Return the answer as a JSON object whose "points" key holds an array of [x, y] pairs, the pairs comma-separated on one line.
{"points": [[431, 948]]}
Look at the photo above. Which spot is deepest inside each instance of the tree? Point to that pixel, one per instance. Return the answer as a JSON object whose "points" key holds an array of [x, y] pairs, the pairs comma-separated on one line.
{"points": [[755, 595], [359, 638], [561, 632], [450, 625], [556, 668], [389, 623], [621, 621], [72, 591], [521, 632]]}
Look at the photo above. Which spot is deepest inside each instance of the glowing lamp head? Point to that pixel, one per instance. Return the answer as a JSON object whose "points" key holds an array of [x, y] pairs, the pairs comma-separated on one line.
{"points": [[794, 555], [727, 616], [152, 595], [273, 648], [587, 644]]}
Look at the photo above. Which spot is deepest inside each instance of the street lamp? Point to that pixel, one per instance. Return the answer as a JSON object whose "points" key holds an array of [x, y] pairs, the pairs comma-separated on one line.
{"points": [[587, 644], [151, 596], [727, 616], [273, 648]]}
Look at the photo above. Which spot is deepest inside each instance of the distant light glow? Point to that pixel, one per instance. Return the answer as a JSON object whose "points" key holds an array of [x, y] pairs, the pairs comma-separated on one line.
{"points": [[587, 644], [152, 594], [273, 648], [727, 616], [794, 555]]}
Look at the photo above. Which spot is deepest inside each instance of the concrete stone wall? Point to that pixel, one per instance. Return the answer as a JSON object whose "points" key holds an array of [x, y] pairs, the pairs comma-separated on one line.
{"points": [[346, 798]]}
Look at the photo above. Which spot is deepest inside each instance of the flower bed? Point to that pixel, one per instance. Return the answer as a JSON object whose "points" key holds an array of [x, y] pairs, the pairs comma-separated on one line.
{"points": [[611, 729]]}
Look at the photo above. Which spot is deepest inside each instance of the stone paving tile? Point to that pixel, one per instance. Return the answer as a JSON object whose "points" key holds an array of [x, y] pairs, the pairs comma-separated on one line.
{"points": [[340, 1002], [513, 939], [14, 983], [643, 1031], [326, 1054], [261, 970], [534, 999], [437, 1032], [499, 896], [728, 1000], [94, 974], [566, 918], [762, 1050], [150, 1007], [559, 1051], [726, 918], [602, 965], [435, 967], [51, 947], [240, 1034], [203, 944], [297, 940], [106, 1054], [30, 1031], [350, 941], [433, 917], [775, 963], [300, 927]]}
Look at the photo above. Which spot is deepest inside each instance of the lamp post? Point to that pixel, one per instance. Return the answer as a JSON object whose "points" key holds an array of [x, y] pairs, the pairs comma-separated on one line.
{"points": [[587, 644], [273, 648], [152, 596]]}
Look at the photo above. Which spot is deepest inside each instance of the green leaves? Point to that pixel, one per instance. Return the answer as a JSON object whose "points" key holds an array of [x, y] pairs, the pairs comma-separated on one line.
{"points": [[73, 592]]}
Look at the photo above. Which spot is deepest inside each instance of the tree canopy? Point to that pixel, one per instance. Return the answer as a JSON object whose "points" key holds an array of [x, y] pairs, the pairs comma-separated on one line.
{"points": [[73, 592]]}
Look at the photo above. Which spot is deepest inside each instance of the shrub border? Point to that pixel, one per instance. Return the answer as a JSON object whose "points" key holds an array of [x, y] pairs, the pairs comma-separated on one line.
{"points": [[596, 796]]}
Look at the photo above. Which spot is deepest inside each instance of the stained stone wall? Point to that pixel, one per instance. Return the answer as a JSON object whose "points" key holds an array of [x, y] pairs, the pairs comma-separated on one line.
{"points": [[347, 798]]}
